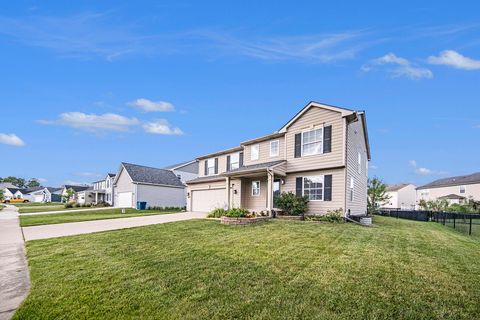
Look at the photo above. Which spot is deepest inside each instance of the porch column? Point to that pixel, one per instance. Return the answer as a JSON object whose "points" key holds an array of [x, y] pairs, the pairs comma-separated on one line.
{"points": [[96, 197], [227, 183], [269, 192]]}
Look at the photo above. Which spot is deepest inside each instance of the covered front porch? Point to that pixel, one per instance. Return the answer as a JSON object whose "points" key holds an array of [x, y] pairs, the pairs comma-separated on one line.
{"points": [[255, 187]]}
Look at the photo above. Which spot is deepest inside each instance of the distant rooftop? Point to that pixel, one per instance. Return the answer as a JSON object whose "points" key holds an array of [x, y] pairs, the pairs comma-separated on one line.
{"points": [[453, 181]]}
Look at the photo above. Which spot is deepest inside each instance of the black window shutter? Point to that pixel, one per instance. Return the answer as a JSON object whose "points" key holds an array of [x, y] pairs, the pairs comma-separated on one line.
{"points": [[241, 159], [206, 167], [299, 186], [327, 139], [327, 192], [298, 145], [216, 165], [228, 163]]}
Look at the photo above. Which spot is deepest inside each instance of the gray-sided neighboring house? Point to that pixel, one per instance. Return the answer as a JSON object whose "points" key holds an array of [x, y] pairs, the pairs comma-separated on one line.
{"points": [[157, 187], [185, 171], [322, 153], [454, 189], [402, 196], [103, 189], [45, 194], [75, 188]]}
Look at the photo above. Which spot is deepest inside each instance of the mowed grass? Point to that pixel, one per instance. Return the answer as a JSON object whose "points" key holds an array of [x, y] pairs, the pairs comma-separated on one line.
{"points": [[54, 218], [37, 204], [45, 208], [277, 270]]}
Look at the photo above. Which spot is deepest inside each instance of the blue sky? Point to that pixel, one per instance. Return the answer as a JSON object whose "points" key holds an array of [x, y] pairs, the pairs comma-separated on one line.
{"points": [[86, 85]]}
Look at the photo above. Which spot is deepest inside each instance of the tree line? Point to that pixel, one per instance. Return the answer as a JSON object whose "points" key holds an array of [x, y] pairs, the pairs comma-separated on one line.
{"points": [[21, 182]]}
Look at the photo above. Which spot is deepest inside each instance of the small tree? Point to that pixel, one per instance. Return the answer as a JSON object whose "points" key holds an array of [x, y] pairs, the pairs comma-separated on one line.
{"points": [[68, 195], [377, 194], [1, 195]]}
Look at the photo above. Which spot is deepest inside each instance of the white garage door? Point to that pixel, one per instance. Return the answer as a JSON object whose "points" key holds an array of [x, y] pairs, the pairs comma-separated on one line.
{"points": [[207, 200], [125, 200]]}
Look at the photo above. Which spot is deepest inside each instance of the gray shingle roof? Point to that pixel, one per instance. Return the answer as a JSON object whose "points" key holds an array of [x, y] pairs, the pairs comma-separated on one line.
{"points": [[452, 197], [206, 179], [396, 187], [258, 166], [453, 181], [149, 175], [76, 188]]}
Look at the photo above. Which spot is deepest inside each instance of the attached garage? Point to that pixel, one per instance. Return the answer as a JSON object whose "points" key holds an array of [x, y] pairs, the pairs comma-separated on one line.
{"points": [[125, 199], [207, 200]]}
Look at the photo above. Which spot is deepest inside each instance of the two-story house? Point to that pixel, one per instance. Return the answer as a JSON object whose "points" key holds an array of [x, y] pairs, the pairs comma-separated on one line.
{"points": [[103, 189], [321, 153], [453, 189]]}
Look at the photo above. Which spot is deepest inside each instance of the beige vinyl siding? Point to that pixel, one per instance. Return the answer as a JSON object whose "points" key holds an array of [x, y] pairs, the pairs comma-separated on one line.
{"points": [[338, 190], [254, 203], [316, 117], [222, 165], [356, 144], [471, 190], [264, 153], [124, 183]]}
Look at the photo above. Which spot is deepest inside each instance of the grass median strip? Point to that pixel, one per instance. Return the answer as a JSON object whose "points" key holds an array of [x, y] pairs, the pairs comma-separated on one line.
{"points": [[277, 270], [36, 220]]}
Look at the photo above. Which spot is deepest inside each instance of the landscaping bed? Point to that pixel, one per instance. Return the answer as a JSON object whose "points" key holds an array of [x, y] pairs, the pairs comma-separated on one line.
{"points": [[278, 270], [242, 221]]}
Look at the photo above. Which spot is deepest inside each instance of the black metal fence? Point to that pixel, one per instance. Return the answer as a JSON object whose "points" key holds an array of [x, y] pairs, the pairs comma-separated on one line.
{"points": [[462, 222]]}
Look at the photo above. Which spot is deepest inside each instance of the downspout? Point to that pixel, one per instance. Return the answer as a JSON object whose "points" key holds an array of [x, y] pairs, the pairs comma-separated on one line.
{"points": [[270, 173]]}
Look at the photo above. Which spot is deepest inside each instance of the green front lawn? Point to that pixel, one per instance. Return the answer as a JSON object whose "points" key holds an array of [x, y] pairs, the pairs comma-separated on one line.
{"points": [[61, 207], [276, 270], [37, 204], [114, 213]]}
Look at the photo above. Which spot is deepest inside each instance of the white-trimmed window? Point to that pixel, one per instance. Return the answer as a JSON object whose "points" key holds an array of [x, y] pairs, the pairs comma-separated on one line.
{"points": [[254, 152], [359, 163], [274, 148], [313, 188], [425, 193], [234, 161], [462, 189], [312, 142], [255, 188], [352, 185], [210, 166]]}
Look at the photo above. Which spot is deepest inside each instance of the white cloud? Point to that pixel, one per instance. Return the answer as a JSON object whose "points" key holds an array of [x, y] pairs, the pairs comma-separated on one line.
{"points": [[93, 122], [11, 139], [42, 180], [424, 171], [161, 127], [75, 183], [372, 166], [401, 67], [454, 59], [152, 106]]}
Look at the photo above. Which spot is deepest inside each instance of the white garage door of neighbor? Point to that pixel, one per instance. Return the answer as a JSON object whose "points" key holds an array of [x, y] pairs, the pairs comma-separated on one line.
{"points": [[207, 200], [125, 199]]}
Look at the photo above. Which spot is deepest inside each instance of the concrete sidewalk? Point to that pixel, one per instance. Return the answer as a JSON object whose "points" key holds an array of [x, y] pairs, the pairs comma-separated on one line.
{"points": [[67, 211], [74, 228], [14, 276]]}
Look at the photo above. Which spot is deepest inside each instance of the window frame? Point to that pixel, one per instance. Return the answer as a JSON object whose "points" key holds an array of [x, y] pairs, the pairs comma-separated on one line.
{"points": [[253, 189], [323, 187], [208, 166], [231, 162], [464, 188], [278, 148], [302, 153], [257, 146]]}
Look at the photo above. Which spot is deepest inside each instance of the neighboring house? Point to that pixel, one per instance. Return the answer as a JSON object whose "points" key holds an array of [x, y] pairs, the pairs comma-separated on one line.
{"points": [[321, 153], [402, 196], [156, 187], [20, 193], [454, 189], [103, 189], [75, 189], [87, 196], [185, 171], [45, 194]]}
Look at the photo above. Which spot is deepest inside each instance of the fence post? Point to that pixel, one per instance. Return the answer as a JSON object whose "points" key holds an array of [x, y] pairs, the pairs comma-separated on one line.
{"points": [[454, 221], [470, 230], [443, 218]]}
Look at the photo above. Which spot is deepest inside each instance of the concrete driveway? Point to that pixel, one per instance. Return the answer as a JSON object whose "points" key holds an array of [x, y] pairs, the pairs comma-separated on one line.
{"points": [[14, 276], [74, 228]]}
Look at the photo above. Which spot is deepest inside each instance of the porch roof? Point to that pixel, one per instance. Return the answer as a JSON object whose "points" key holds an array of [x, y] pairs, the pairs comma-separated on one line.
{"points": [[254, 168], [206, 179]]}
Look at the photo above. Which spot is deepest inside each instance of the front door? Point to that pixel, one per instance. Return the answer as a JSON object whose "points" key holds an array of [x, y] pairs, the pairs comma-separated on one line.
{"points": [[276, 191]]}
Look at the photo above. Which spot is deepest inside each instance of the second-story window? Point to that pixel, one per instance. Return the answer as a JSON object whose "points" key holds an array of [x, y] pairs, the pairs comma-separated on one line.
{"points": [[254, 152], [312, 142], [462, 189], [211, 166], [274, 148], [234, 161]]}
